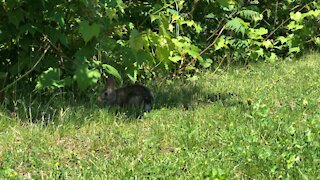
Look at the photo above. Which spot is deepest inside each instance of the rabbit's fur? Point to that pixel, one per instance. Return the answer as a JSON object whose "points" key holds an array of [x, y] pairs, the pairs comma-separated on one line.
{"points": [[132, 95]]}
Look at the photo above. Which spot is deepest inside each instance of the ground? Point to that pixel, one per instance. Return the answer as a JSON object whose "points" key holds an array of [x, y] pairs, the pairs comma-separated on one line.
{"points": [[256, 121]]}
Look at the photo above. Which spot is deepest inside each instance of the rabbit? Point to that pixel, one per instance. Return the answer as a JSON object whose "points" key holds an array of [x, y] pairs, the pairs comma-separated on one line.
{"points": [[132, 95]]}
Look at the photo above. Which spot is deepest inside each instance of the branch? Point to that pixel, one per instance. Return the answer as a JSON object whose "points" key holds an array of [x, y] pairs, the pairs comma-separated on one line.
{"points": [[283, 22], [28, 72], [196, 57]]}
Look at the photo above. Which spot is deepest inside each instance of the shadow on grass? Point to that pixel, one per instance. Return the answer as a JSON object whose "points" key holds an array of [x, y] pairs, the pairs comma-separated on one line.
{"points": [[42, 109], [191, 96]]}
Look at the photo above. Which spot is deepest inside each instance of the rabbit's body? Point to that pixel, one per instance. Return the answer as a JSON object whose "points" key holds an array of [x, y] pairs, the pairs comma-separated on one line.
{"points": [[133, 95]]}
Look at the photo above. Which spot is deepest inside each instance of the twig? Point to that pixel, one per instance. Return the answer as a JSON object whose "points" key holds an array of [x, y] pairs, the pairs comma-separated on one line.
{"points": [[56, 48], [216, 30], [219, 23], [276, 13], [219, 65], [145, 19], [283, 22], [28, 72], [197, 56]]}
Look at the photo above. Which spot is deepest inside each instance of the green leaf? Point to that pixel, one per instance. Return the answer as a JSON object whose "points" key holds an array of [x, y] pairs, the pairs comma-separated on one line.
{"points": [[16, 17], [111, 70], [144, 56], [57, 16], [294, 50], [154, 17], [317, 40], [224, 3], [190, 23], [314, 13], [86, 77], [206, 63], [82, 55], [272, 58], [210, 16], [64, 40], [282, 39], [111, 13], [164, 26], [108, 43], [193, 51], [296, 16], [294, 26], [268, 44], [120, 5], [133, 75], [237, 25], [3, 75], [163, 53], [88, 31], [197, 27], [136, 41], [249, 14], [220, 43], [260, 52], [50, 79], [257, 33], [175, 59]]}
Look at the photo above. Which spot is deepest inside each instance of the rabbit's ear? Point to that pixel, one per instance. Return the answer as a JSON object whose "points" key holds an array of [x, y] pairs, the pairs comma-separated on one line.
{"points": [[111, 81]]}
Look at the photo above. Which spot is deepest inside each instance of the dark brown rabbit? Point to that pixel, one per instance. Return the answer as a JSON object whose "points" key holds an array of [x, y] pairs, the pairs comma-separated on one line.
{"points": [[132, 95]]}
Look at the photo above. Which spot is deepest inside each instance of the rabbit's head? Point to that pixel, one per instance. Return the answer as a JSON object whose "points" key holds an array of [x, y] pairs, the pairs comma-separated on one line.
{"points": [[109, 95]]}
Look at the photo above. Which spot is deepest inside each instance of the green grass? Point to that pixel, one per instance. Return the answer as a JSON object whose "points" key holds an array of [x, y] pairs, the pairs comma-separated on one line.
{"points": [[261, 121]]}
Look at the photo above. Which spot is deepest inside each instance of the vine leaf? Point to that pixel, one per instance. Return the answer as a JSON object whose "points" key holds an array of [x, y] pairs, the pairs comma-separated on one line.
{"points": [[88, 31]]}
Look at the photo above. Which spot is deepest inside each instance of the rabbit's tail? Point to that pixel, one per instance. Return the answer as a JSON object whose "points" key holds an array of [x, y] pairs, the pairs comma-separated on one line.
{"points": [[148, 103]]}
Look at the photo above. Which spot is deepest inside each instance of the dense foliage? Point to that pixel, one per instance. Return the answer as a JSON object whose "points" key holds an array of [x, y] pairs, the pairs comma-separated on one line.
{"points": [[54, 44]]}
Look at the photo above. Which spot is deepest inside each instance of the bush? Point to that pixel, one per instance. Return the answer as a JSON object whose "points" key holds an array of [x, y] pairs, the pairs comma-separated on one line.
{"points": [[55, 44]]}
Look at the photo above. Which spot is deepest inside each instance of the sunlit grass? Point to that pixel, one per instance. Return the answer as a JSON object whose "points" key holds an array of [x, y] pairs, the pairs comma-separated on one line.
{"points": [[258, 121]]}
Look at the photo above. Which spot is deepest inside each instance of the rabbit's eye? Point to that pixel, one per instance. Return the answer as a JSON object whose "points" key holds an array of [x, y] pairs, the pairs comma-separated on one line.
{"points": [[105, 93]]}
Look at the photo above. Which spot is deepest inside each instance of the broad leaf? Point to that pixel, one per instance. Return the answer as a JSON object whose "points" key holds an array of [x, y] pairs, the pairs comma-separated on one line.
{"points": [[88, 31], [86, 77], [136, 41], [50, 79]]}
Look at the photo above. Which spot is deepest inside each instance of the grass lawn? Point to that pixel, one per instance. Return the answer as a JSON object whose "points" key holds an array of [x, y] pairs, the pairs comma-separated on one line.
{"points": [[259, 121]]}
